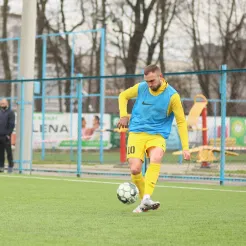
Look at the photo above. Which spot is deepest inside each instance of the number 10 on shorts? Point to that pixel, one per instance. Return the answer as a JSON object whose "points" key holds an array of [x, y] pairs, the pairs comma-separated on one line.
{"points": [[130, 150]]}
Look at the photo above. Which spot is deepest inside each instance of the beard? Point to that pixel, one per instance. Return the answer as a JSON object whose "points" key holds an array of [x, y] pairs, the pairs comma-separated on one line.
{"points": [[157, 87]]}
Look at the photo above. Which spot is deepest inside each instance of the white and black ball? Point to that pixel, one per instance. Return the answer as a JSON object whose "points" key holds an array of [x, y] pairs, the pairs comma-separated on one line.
{"points": [[127, 193]]}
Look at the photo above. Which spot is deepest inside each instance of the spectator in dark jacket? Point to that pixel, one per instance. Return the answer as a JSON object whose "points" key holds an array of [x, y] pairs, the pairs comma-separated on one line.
{"points": [[7, 125]]}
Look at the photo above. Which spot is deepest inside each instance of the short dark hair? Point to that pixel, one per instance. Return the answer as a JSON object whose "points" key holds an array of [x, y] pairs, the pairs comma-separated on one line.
{"points": [[151, 68], [82, 118], [97, 118]]}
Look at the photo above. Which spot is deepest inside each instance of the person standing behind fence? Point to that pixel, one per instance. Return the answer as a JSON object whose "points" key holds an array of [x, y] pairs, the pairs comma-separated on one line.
{"points": [[7, 125]]}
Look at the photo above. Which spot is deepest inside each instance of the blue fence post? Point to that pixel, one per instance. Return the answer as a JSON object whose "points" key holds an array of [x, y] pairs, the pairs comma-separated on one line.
{"points": [[223, 88], [37, 87], [102, 92], [215, 124], [32, 137], [44, 55], [71, 94], [79, 136], [22, 109]]}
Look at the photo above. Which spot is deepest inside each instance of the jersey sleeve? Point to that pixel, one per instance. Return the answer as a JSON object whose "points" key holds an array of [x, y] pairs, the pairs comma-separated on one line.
{"points": [[177, 108], [124, 97]]}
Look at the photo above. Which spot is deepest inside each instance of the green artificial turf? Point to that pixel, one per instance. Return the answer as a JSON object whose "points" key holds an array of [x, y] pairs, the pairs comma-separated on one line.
{"points": [[69, 211]]}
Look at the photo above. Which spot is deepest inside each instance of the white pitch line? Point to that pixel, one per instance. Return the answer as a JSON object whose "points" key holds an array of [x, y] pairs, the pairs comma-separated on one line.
{"points": [[197, 188], [116, 183]]}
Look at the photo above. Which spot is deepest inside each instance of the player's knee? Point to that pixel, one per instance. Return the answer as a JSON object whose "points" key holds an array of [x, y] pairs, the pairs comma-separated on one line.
{"points": [[135, 170], [135, 165], [156, 155], [155, 160]]}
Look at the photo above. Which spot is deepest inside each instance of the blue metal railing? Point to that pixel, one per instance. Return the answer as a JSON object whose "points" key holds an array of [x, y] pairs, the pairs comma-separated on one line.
{"points": [[79, 81]]}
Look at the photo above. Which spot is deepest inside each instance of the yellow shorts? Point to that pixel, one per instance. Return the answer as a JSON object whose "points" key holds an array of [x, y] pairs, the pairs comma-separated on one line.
{"points": [[139, 143]]}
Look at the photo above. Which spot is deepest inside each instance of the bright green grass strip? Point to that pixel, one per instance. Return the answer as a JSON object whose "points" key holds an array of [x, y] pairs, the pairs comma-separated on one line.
{"points": [[58, 212], [59, 157], [112, 181]]}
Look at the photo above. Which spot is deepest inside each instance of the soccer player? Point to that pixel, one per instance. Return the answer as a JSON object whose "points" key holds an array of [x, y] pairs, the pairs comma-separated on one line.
{"points": [[157, 103]]}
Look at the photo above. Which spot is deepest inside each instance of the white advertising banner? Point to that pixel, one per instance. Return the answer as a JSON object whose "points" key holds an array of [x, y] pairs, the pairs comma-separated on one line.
{"points": [[195, 137], [61, 131]]}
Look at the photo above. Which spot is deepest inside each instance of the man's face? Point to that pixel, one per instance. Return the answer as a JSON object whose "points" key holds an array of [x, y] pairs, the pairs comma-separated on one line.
{"points": [[95, 122], [83, 123], [3, 104], [153, 80]]}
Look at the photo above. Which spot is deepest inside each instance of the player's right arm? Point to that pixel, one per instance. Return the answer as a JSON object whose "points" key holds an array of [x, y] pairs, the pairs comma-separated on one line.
{"points": [[123, 99]]}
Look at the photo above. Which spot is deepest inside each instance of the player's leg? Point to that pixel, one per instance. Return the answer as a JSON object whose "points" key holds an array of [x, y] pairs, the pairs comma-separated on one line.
{"points": [[153, 171], [136, 174], [155, 150], [135, 155], [2, 153], [9, 154], [138, 179]]}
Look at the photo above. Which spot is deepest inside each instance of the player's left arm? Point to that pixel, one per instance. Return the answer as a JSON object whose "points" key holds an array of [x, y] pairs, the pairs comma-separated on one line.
{"points": [[177, 108]]}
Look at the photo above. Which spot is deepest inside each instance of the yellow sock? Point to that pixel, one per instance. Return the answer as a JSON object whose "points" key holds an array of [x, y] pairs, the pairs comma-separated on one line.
{"points": [[138, 180], [151, 178]]}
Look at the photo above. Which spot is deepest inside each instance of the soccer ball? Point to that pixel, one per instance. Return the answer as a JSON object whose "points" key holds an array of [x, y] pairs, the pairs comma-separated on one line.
{"points": [[127, 193]]}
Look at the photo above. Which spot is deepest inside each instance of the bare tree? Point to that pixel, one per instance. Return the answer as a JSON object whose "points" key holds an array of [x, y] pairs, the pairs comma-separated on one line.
{"points": [[140, 25], [199, 53], [63, 51], [165, 13], [41, 25], [155, 39], [157, 18], [6, 88], [97, 16], [208, 55], [168, 10], [130, 42], [232, 29]]}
